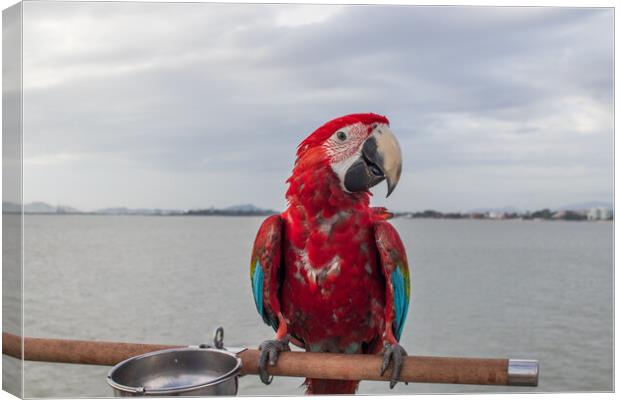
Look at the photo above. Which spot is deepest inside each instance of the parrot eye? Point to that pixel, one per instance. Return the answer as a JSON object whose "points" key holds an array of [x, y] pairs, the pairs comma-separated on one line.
{"points": [[341, 136]]}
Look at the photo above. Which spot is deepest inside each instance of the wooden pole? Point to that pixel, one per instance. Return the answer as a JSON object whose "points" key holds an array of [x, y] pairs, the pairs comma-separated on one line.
{"points": [[475, 371]]}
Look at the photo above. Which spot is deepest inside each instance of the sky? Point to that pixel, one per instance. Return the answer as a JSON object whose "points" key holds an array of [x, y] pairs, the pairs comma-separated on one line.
{"points": [[186, 105]]}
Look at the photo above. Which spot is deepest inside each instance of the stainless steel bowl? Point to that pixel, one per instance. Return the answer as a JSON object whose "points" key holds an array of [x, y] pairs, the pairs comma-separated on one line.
{"points": [[177, 372]]}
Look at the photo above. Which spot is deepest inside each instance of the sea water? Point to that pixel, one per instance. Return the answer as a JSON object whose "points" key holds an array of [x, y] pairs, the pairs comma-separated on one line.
{"points": [[498, 289]]}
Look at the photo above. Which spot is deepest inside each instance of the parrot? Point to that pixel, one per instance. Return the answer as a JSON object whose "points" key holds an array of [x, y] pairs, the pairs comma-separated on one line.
{"points": [[330, 273]]}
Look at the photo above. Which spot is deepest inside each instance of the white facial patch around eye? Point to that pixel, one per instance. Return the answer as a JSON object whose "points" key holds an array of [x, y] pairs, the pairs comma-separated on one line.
{"points": [[340, 168], [335, 145], [338, 149], [343, 153]]}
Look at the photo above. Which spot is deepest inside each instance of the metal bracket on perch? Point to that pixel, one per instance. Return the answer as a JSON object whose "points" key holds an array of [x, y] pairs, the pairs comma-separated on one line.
{"points": [[218, 343], [522, 372]]}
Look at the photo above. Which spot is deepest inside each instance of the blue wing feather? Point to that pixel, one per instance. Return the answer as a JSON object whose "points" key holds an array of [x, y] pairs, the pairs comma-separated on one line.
{"points": [[257, 288], [401, 301]]}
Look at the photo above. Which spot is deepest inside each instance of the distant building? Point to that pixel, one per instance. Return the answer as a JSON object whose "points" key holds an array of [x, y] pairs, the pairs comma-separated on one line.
{"points": [[600, 213], [594, 214], [559, 215], [497, 215], [606, 213]]}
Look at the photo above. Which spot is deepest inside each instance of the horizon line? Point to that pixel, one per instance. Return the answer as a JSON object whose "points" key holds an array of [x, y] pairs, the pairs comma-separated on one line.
{"points": [[505, 209]]}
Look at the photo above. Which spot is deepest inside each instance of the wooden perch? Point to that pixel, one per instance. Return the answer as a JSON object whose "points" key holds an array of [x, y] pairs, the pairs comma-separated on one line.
{"points": [[473, 371]]}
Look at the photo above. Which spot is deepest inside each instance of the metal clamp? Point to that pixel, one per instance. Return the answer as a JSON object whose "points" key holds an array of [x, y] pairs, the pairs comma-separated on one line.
{"points": [[218, 342], [218, 338]]}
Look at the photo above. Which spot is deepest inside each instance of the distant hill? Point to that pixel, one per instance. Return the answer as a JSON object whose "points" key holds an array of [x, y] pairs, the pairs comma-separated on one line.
{"points": [[67, 210], [8, 207], [38, 207]]}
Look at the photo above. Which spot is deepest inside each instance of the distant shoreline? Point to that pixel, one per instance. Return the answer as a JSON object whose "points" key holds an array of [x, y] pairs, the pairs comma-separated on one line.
{"points": [[234, 215], [581, 212], [139, 214]]}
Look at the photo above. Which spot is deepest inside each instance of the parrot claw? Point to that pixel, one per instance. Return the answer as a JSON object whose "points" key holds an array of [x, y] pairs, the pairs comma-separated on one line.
{"points": [[269, 351], [393, 352]]}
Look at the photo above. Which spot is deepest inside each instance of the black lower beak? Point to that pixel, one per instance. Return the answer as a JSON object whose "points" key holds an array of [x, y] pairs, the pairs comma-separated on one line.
{"points": [[367, 171]]}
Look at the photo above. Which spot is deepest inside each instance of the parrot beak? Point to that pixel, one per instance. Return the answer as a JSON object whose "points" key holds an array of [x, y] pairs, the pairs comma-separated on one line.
{"points": [[380, 159]]}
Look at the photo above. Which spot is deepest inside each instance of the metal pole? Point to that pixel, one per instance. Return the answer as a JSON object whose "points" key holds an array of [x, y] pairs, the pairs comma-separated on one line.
{"points": [[474, 371]]}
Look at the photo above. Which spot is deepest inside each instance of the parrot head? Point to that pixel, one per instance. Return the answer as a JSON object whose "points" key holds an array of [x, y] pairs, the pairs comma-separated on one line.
{"points": [[361, 150]]}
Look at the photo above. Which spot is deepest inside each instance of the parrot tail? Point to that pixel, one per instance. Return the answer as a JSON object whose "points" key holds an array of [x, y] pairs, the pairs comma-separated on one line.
{"points": [[330, 386]]}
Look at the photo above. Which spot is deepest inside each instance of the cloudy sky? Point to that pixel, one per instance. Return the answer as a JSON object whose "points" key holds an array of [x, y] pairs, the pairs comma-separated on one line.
{"points": [[199, 105]]}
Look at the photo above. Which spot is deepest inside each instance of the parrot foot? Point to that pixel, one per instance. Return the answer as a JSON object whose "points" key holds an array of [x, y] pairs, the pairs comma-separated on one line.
{"points": [[396, 353], [269, 351]]}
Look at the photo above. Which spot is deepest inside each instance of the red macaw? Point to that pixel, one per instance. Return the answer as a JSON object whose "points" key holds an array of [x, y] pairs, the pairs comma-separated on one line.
{"points": [[330, 273]]}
